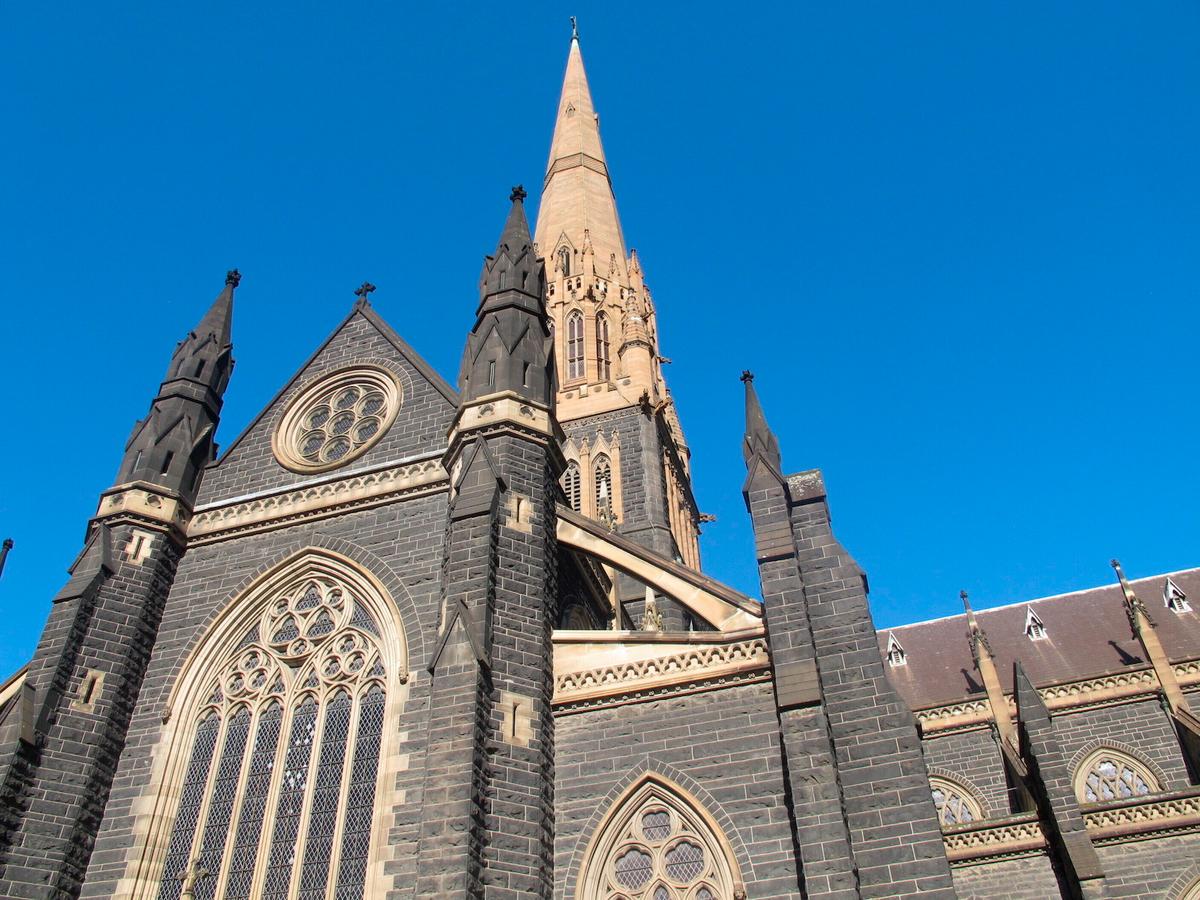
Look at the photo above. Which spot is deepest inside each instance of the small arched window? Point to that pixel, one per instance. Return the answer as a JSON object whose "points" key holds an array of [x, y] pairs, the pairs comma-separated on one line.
{"points": [[602, 360], [602, 470], [575, 364], [954, 803], [564, 260], [657, 844], [1108, 775], [571, 482]]}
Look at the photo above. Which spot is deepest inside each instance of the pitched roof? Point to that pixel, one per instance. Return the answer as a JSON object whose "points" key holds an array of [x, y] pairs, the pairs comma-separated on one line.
{"points": [[1087, 635]]}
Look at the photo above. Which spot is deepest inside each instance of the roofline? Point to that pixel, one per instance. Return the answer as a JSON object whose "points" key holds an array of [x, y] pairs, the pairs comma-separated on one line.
{"points": [[368, 313], [988, 609]]}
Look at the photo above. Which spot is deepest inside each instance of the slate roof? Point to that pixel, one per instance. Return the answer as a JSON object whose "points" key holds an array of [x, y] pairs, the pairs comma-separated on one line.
{"points": [[1087, 635]]}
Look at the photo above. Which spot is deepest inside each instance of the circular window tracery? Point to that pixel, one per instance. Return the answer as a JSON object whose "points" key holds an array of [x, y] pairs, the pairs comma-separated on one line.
{"points": [[337, 419]]}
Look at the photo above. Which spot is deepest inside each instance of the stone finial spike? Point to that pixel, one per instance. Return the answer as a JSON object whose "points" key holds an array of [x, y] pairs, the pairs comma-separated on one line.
{"points": [[233, 278], [759, 441], [574, 29], [518, 194], [4, 548]]}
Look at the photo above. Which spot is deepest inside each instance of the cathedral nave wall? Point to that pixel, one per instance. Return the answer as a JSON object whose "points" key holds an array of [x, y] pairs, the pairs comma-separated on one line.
{"points": [[723, 746], [973, 759], [400, 546]]}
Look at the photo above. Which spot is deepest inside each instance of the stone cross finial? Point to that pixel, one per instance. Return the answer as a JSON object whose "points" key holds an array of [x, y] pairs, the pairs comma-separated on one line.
{"points": [[233, 277], [747, 375], [518, 193], [189, 876], [574, 29], [363, 289]]}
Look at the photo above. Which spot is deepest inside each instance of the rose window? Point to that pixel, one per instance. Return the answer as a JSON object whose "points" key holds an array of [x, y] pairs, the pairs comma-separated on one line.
{"points": [[337, 419]]}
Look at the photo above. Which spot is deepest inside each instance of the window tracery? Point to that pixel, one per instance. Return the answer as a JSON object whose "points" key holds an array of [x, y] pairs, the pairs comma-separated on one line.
{"points": [[1108, 775], [278, 794], [337, 419], [575, 363], [657, 846], [954, 803], [602, 472]]}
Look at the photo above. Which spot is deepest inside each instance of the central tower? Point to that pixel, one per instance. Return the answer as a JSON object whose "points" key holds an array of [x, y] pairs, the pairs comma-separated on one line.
{"points": [[627, 461]]}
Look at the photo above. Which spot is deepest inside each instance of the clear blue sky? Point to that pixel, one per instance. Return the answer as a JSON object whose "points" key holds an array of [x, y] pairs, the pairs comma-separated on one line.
{"points": [[958, 243]]}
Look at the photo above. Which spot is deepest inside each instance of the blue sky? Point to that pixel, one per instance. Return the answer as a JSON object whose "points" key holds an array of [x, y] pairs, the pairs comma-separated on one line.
{"points": [[958, 244]]}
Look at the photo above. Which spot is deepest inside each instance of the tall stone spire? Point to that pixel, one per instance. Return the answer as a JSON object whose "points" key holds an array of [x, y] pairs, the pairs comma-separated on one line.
{"points": [[577, 194]]}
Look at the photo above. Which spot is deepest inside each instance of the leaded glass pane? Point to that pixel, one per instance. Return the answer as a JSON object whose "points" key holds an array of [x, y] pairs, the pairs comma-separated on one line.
{"points": [[633, 868], [362, 619], [372, 404], [684, 861], [356, 834], [254, 802], [705, 894], [291, 801], [656, 825], [318, 850], [223, 792], [192, 796], [661, 893]]}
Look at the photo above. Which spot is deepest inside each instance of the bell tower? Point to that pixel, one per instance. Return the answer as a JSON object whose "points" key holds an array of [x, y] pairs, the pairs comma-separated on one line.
{"points": [[628, 462]]}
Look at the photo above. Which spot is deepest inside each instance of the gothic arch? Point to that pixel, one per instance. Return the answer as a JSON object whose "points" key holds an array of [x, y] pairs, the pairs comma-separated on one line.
{"points": [[298, 673], [676, 844], [1186, 886], [960, 801], [1112, 772]]}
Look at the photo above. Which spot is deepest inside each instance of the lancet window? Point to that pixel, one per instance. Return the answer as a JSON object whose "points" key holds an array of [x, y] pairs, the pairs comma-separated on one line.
{"points": [[572, 482], [954, 803], [657, 845], [1108, 775], [575, 362], [602, 357], [278, 792]]}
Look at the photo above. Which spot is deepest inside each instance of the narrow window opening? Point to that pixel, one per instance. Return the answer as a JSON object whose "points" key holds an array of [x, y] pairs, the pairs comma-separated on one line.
{"points": [[200, 368], [525, 374], [166, 464], [575, 363]]}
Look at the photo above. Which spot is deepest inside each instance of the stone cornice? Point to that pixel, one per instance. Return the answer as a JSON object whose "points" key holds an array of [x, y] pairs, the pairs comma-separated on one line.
{"points": [[1104, 690], [992, 840], [363, 490], [146, 504], [690, 668]]}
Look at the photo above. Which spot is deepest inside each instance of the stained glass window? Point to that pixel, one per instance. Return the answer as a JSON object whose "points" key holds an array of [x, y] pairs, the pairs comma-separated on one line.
{"points": [[656, 846], [954, 803], [1108, 776], [277, 799]]}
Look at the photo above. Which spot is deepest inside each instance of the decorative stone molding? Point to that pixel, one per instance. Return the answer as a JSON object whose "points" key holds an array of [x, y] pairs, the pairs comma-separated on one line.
{"points": [[693, 668], [1107, 690], [989, 840], [314, 501], [1114, 823], [146, 504], [1135, 819]]}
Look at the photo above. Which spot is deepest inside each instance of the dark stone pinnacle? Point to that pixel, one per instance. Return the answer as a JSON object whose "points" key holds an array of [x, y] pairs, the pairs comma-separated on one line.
{"points": [[747, 375], [233, 277], [518, 193]]}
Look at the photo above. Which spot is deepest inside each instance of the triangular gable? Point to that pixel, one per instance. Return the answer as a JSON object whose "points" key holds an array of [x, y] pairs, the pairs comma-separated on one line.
{"points": [[248, 464]]}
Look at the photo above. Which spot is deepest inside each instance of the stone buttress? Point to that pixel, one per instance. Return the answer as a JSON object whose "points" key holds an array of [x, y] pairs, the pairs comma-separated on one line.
{"points": [[865, 825], [487, 824]]}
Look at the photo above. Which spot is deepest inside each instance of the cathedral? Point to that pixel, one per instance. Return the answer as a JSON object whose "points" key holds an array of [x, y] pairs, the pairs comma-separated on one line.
{"points": [[403, 638]]}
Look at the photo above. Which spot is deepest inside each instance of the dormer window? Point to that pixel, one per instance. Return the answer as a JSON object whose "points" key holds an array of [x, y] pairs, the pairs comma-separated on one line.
{"points": [[895, 653], [1035, 628], [1174, 598]]}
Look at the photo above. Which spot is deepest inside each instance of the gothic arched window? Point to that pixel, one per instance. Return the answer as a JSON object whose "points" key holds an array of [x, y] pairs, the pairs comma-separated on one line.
{"points": [[575, 366], [954, 803], [571, 483], [658, 844], [278, 762], [602, 359], [1107, 775]]}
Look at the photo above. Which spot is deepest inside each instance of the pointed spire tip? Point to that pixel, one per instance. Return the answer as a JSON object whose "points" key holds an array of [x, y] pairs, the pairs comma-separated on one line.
{"points": [[574, 29]]}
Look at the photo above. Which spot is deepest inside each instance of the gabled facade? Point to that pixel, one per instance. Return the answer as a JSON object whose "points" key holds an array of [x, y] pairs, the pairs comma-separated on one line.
{"points": [[404, 639]]}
